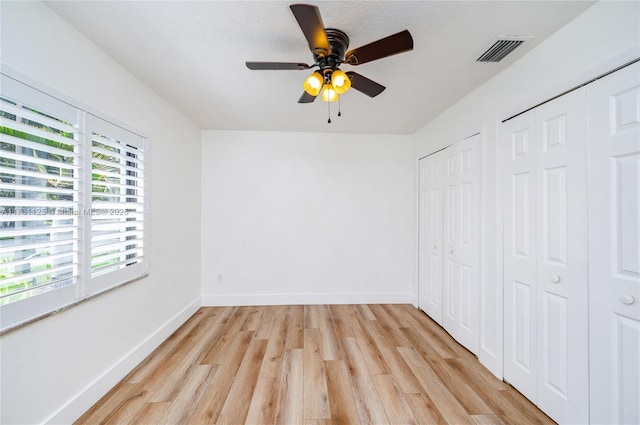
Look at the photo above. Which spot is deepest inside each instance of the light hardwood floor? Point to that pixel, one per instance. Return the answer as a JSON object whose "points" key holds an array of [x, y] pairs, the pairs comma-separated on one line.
{"points": [[312, 365]]}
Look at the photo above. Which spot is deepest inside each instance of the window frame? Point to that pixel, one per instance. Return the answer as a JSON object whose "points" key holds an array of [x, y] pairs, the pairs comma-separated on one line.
{"points": [[22, 312]]}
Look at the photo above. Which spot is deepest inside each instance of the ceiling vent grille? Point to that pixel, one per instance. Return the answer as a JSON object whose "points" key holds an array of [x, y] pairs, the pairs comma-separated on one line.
{"points": [[498, 50]]}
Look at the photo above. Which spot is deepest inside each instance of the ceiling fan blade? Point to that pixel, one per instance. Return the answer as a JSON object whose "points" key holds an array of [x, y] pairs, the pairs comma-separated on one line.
{"points": [[310, 21], [388, 46], [306, 98], [258, 66], [364, 85]]}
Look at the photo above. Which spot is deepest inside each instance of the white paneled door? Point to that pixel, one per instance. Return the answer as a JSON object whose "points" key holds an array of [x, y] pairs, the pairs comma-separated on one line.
{"points": [[562, 272], [449, 240], [519, 247], [461, 293], [545, 257], [614, 253], [430, 228]]}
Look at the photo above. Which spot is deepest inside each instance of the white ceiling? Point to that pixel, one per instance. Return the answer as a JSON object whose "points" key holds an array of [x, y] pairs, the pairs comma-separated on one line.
{"points": [[193, 54]]}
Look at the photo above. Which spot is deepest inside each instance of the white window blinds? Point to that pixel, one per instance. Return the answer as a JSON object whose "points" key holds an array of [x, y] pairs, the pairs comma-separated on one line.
{"points": [[117, 202], [72, 204]]}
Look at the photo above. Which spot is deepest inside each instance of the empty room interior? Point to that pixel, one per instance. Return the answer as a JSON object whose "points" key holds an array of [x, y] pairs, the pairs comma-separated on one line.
{"points": [[337, 212]]}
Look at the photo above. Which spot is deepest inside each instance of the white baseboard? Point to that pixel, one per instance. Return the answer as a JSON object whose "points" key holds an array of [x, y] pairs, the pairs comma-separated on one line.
{"points": [[79, 404], [307, 299]]}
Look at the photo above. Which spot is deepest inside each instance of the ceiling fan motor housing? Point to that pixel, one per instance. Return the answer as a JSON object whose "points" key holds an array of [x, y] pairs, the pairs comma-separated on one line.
{"points": [[339, 42]]}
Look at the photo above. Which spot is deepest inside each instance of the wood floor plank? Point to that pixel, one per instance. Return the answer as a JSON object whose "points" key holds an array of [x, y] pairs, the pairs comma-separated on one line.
{"points": [[521, 404], [236, 405], [312, 365], [341, 402], [290, 408], [450, 408], [366, 397], [295, 334], [218, 351], [311, 316], [476, 376], [342, 320], [424, 409], [272, 364], [316, 397], [263, 330], [262, 409], [253, 318], [208, 408], [430, 331], [465, 395], [393, 401], [110, 403], [151, 413], [365, 312], [395, 363], [487, 420], [330, 344], [181, 366], [152, 362], [370, 352], [182, 407]]}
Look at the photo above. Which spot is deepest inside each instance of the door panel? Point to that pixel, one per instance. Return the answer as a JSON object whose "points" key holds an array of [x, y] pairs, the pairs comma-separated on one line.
{"points": [[562, 273], [466, 249], [519, 253], [614, 255], [450, 281], [545, 257], [430, 243]]}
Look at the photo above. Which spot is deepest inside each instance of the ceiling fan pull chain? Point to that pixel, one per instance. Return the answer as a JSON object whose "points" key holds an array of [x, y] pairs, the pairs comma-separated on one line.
{"points": [[329, 105], [339, 113]]}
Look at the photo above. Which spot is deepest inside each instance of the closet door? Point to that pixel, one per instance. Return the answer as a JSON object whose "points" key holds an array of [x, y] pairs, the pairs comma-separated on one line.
{"points": [[614, 252], [545, 257], [519, 251], [461, 293], [430, 243], [562, 273], [450, 236]]}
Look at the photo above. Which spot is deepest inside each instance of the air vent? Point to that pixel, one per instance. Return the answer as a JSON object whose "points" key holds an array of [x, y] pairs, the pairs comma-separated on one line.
{"points": [[501, 48]]}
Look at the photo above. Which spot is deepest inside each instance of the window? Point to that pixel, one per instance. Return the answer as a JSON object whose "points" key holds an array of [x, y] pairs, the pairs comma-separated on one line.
{"points": [[72, 204]]}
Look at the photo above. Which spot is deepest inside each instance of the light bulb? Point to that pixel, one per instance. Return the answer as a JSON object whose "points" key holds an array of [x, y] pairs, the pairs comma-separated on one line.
{"points": [[340, 81], [313, 84], [329, 94]]}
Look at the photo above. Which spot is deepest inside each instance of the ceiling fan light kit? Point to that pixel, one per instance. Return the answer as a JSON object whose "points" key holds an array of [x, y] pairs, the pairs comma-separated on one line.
{"points": [[329, 48]]}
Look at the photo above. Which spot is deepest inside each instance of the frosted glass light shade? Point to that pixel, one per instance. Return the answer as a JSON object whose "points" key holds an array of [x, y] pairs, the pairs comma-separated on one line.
{"points": [[313, 84], [340, 81], [329, 94]]}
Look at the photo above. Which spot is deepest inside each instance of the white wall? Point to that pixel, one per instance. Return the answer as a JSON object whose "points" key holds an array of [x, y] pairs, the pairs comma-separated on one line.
{"points": [[306, 218], [604, 36], [57, 368]]}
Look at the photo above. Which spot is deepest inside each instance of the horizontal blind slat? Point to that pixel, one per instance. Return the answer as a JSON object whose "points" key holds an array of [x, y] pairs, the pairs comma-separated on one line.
{"points": [[12, 280], [41, 231], [98, 138], [29, 129], [36, 174], [40, 260], [17, 141], [31, 188], [39, 161], [123, 168], [23, 112], [37, 203], [122, 158], [5, 249]]}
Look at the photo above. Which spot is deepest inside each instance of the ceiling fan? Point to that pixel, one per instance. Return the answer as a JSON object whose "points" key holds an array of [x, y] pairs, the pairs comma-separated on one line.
{"points": [[329, 49]]}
